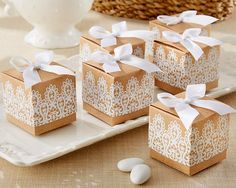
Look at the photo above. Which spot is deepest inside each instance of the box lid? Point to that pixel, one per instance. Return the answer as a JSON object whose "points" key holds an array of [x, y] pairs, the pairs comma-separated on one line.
{"points": [[125, 69], [178, 46], [45, 76], [179, 28], [120, 41], [203, 112]]}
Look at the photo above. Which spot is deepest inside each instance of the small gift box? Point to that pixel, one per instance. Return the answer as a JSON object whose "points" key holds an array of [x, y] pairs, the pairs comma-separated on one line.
{"points": [[189, 132], [117, 88], [39, 97], [186, 59], [106, 41], [179, 23]]}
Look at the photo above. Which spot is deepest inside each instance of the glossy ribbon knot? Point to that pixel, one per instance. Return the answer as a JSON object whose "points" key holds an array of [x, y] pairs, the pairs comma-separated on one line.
{"points": [[42, 62], [118, 30], [124, 55], [189, 16], [193, 96], [188, 39]]}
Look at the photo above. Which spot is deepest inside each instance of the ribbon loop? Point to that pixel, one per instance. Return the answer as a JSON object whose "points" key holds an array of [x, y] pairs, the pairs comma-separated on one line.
{"points": [[118, 30], [124, 55], [189, 16], [19, 63], [188, 39], [193, 96], [30, 70]]}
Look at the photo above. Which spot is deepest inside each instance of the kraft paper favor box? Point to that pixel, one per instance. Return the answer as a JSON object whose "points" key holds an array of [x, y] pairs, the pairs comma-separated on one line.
{"points": [[158, 26], [88, 45], [189, 151], [116, 97], [43, 107], [181, 69]]}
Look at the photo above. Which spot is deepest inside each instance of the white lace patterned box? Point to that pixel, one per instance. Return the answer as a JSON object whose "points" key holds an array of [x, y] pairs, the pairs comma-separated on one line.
{"points": [[119, 96], [42, 107], [181, 69], [192, 150], [88, 45]]}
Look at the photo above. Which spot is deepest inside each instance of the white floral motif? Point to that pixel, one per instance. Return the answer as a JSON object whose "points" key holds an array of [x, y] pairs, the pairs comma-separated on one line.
{"points": [[189, 148], [182, 71], [149, 43], [118, 100], [36, 110], [138, 51], [85, 52]]}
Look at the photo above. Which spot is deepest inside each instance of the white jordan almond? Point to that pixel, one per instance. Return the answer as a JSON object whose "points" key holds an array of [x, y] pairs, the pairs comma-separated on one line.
{"points": [[140, 174], [126, 165]]}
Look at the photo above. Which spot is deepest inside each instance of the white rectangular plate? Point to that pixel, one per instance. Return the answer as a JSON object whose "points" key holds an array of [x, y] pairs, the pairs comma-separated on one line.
{"points": [[22, 149]]}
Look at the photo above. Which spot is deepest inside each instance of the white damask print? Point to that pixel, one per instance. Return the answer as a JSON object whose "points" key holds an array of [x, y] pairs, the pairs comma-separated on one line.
{"points": [[118, 99], [192, 147], [35, 109], [182, 71], [85, 52], [149, 43], [138, 51]]}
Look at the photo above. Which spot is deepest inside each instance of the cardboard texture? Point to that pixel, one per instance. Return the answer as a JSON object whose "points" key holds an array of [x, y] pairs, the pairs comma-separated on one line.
{"points": [[116, 97], [180, 68], [159, 27], [45, 106], [188, 151], [88, 45]]}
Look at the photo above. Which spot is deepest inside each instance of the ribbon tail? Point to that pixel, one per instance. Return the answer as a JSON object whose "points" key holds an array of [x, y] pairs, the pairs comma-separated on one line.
{"points": [[207, 40], [31, 77], [60, 70], [141, 64], [187, 114], [203, 20], [193, 48], [19, 63], [215, 106]]}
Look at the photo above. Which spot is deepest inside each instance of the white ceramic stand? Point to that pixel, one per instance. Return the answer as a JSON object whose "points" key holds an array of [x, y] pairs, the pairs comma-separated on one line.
{"points": [[44, 38], [53, 20]]}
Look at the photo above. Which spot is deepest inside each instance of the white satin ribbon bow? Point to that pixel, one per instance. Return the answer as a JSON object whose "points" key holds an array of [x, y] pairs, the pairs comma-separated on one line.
{"points": [[193, 96], [118, 30], [188, 39], [42, 62], [189, 16], [124, 55]]}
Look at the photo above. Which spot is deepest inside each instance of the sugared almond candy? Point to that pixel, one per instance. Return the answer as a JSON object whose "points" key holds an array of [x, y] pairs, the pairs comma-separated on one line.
{"points": [[126, 165], [140, 174]]}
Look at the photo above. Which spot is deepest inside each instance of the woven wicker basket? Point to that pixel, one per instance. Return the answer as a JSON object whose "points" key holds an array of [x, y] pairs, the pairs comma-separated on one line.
{"points": [[149, 9]]}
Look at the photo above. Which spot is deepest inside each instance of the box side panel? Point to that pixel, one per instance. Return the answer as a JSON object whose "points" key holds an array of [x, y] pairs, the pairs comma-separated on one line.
{"points": [[186, 169], [189, 151], [168, 137], [119, 97], [209, 137], [17, 100], [180, 70], [44, 128], [54, 100]]}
